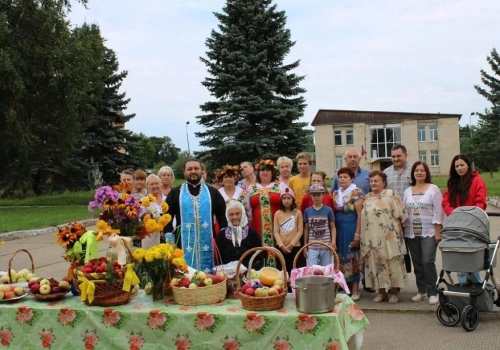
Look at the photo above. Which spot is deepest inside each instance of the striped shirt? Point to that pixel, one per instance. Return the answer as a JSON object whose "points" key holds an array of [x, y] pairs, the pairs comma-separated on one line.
{"points": [[398, 181]]}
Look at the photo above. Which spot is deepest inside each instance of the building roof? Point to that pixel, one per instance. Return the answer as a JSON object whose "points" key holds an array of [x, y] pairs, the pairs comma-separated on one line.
{"points": [[337, 116]]}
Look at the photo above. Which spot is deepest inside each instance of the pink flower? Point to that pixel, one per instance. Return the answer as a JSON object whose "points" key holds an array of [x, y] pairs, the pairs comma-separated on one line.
{"points": [[67, 316], [333, 345], [200, 324], [6, 336], [89, 346], [47, 336], [91, 339], [302, 327], [136, 340], [111, 319], [156, 321], [24, 315], [183, 343], [355, 312], [208, 320], [231, 344], [282, 344], [259, 321], [311, 322]]}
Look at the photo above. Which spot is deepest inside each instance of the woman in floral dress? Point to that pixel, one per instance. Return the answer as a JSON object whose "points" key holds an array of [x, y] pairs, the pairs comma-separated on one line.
{"points": [[382, 241], [348, 201], [262, 202]]}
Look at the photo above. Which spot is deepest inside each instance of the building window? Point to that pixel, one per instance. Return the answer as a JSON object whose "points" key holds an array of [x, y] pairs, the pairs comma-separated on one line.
{"points": [[339, 161], [434, 158], [349, 137], [434, 132], [383, 139], [338, 137], [422, 156], [421, 133]]}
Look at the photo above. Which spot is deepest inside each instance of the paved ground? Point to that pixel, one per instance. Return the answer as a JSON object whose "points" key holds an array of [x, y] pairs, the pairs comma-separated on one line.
{"points": [[405, 325]]}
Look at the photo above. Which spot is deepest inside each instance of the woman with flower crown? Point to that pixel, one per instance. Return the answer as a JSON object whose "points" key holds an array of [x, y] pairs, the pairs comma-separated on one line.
{"points": [[262, 202], [229, 191]]}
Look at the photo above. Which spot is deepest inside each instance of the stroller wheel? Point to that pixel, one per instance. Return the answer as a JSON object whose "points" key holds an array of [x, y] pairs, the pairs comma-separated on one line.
{"points": [[448, 314], [470, 318]]}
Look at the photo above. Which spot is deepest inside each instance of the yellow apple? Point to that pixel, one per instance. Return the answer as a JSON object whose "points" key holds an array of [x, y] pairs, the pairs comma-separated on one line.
{"points": [[44, 281], [44, 288]]}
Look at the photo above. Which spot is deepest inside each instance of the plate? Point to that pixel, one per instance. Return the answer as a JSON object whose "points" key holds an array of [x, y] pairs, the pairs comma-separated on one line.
{"points": [[15, 298], [50, 297]]}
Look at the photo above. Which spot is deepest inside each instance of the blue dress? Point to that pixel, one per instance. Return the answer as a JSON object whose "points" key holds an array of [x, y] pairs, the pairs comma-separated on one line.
{"points": [[345, 223]]}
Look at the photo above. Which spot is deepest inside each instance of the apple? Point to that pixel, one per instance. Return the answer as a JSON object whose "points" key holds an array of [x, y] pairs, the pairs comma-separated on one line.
{"points": [[148, 288], [5, 279], [30, 276], [56, 290], [318, 272], [13, 272], [245, 286], [4, 288], [44, 288], [218, 278], [261, 292], [35, 288], [21, 280], [272, 292], [279, 282], [221, 273], [208, 281], [175, 281], [19, 291], [184, 282], [44, 281], [200, 275], [193, 286], [1, 295], [278, 288], [64, 285], [32, 282], [250, 292], [8, 295]]}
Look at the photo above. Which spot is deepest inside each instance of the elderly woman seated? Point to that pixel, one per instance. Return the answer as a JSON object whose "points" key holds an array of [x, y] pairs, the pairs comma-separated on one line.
{"points": [[238, 237]]}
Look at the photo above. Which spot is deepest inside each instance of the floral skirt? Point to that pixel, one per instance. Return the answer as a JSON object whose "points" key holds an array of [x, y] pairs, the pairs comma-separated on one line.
{"points": [[384, 274]]}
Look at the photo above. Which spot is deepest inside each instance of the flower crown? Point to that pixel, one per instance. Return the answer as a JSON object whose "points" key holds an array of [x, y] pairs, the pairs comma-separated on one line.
{"points": [[265, 163], [219, 173]]}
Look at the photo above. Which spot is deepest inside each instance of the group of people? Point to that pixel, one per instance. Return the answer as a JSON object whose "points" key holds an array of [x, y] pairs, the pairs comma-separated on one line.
{"points": [[370, 218]]}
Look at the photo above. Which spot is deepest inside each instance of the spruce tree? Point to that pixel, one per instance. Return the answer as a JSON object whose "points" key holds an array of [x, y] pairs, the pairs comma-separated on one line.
{"points": [[485, 140], [258, 100]]}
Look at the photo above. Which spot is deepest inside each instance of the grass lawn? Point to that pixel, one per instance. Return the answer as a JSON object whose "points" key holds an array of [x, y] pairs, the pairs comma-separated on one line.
{"points": [[66, 198], [23, 218]]}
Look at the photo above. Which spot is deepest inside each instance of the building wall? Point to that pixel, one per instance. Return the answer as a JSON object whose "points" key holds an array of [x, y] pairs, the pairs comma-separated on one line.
{"points": [[448, 144]]}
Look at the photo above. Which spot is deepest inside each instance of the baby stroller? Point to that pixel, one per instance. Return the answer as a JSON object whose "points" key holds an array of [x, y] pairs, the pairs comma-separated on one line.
{"points": [[465, 247]]}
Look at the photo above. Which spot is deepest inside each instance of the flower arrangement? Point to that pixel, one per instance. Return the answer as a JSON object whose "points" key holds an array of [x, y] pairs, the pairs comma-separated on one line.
{"points": [[67, 236], [159, 264], [265, 163], [120, 209], [156, 216]]}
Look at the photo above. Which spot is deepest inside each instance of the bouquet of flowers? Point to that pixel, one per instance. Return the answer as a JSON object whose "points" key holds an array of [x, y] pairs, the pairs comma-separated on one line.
{"points": [[120, 209], [67, 236], [156, 216], [159, 264]]}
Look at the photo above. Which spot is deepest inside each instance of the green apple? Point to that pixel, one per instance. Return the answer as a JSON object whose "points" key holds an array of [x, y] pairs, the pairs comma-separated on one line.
{"points": [[148, 288], [45, 288], [193, 286], [279, 282], [44, 281], [19, 291], [5, 279], [1, 295], [30, 276]]}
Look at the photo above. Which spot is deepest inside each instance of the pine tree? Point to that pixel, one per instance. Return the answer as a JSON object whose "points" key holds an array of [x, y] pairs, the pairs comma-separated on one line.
{"points": [[486, 141], [105, 140], [258, 99]]}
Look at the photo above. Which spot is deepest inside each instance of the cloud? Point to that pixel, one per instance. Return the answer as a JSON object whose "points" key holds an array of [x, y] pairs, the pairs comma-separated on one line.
{"points": [[412, 56]]}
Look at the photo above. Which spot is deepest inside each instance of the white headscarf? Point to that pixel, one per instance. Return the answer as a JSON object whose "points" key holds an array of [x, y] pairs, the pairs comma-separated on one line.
{"points": [[236, 231]]}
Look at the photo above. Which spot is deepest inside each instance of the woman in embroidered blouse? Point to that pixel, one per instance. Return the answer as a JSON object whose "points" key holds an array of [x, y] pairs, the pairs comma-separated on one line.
{"points": [[262, 202], [288, 227], [348, 201], [423, 229], [248, 174], [227, 177], [238, 237], [382, 241]]}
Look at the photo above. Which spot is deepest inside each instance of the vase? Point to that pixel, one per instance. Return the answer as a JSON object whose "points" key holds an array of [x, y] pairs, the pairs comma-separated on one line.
{"points": [[150, 240], [158, 291]]}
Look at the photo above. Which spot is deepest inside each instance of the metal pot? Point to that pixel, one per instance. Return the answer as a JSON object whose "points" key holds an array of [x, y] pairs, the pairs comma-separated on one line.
{"points": [[314, 294]]}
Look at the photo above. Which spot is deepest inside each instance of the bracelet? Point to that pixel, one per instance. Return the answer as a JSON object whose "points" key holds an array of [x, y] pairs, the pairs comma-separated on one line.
{"points": [[356, 235]]}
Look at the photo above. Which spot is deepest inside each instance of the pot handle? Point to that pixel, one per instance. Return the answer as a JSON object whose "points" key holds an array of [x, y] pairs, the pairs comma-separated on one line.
{"points": [[300, 288]]}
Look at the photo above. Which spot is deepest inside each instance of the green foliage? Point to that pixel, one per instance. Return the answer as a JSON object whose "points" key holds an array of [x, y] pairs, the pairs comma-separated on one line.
{"points": [[485, 141], [60, 199], [258, 99], [178, 165]]}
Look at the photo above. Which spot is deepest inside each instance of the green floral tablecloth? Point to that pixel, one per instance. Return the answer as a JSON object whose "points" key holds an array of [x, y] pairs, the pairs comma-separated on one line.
{"points": [[69, 324]]}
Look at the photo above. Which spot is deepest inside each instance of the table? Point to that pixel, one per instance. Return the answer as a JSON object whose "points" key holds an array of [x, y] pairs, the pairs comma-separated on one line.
{"points": [[29, 323]]}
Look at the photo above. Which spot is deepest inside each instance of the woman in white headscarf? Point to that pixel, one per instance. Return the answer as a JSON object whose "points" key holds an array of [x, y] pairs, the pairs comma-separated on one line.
{"points": [[238, 237]]}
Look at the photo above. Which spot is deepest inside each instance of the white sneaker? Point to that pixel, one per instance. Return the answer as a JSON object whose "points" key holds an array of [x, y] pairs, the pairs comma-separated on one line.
{"points": [[355, 296], [433, 300], [419, 297]]}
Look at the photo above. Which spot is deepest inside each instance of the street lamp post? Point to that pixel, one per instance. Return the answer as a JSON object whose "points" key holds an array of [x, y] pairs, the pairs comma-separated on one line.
{"points": [[187, 137]]}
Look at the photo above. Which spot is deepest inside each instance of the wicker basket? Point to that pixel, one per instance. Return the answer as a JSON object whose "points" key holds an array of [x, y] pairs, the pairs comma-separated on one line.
{"points": [[200, 296], [12, 258], [261, 303], [50, 297]]}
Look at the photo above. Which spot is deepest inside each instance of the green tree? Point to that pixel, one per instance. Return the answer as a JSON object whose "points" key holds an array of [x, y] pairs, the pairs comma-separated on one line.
{"points": [[258, 100], [46, 73], [178, 165], [166, 151], [486, 142]]}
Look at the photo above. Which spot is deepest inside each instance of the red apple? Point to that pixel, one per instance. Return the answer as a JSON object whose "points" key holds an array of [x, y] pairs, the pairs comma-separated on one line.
{"points": [[250, 292], [278, 288], [8, 295], [184, 282], [272, 292], [55, 290], [35, 289], [64, 285], [318, 272]]}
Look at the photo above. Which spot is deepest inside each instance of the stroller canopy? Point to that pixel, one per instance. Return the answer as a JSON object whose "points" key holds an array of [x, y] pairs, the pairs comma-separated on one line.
{"points": [[466, 227]]}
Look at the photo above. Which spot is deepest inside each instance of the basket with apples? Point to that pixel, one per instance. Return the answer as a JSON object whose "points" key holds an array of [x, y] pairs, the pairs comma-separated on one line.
{"points": [[22, 276], [269, 291], [100, 283], [199, 289], [48, 288]]}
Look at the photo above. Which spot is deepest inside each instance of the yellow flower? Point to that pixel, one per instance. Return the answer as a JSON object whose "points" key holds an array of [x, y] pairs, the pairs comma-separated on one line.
{"points": [[102, 225], [149, 256], [178, 253], [164, 207], [164, 219], [150, 225], [138, 254], [145, 201], [151, 197]]}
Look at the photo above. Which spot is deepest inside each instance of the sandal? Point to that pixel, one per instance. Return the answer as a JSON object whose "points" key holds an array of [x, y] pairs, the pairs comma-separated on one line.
{"points": [[393, 299], [380, 298]]}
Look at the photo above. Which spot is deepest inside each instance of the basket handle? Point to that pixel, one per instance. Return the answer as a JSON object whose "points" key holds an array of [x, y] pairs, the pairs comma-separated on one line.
{"points": [[334, 253], [270, 250], [12, 258]]}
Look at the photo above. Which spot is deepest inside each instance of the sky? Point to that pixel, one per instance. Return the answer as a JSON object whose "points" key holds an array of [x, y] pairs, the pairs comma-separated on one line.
{"points": [[385, 55]]}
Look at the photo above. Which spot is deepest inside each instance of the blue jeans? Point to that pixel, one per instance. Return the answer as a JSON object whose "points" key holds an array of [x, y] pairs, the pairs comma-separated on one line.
{"points": [[473, 277], [321, 257]]}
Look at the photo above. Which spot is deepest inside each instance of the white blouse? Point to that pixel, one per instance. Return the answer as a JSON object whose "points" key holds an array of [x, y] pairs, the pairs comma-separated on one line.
{"points": [[425, 207]]}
